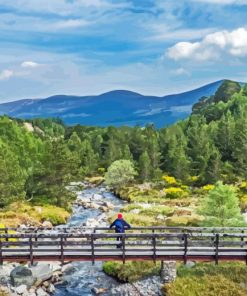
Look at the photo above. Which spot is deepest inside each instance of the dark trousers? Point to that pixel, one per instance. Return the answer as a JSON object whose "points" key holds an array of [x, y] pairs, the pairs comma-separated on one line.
{"points": [[119, 240]]}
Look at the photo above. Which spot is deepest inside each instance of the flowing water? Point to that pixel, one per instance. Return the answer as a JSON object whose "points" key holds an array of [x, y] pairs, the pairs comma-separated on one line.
{"points": [[84, 276]]}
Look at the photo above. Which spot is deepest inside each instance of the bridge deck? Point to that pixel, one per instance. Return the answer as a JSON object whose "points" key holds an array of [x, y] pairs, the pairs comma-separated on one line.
{"points": [[153, 243]]}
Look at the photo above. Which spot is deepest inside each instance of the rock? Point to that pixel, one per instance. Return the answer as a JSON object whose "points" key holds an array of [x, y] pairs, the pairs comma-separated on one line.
{"points": [[46, 284], [4, 290], [56, 267], [47, 224], [98, 291], [190, 264], [168, 271], [42, 272], [135, 211], [21, 289], [21, 275], [41, 292], [51, 289], [161, 217], [67, 268], [97, 196]]}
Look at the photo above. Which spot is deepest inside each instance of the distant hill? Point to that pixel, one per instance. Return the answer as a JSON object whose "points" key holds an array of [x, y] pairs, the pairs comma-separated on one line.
{"points": [[119, 107]]}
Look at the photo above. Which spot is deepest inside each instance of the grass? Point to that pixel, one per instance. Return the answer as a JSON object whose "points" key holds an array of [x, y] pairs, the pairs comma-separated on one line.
{"points": [[206, 286], [234, 271], [24, 213], [131, 271]]}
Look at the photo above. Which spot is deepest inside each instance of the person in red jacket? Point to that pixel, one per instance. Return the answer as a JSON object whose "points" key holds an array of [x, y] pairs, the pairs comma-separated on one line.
{"points": [[120, 225]]}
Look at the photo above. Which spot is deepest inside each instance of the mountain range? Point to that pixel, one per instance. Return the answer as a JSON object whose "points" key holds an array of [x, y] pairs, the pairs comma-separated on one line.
{"points": [[117, 108]]}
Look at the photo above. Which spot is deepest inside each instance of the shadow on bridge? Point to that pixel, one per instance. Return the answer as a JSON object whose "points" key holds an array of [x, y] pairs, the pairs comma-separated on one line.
{"points": [[141, 243]]}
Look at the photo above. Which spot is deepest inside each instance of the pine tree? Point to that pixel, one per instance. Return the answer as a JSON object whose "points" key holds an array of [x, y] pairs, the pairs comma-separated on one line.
{"points": [[221, 207], [240, 144], [145, 167]]}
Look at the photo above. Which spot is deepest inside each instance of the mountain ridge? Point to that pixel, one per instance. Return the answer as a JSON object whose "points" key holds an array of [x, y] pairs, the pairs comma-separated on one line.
{"points": [[116, 107]]}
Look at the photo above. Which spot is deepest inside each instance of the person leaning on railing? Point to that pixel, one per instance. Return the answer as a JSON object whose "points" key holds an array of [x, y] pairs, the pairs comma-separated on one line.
{"points": [[120, 225]]}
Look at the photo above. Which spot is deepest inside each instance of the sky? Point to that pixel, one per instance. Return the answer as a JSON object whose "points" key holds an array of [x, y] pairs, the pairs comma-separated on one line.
{"points": [[87, 47]]}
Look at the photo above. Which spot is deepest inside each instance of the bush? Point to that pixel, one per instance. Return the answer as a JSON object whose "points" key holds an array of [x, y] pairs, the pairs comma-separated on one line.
{"points": [[169, 180], [120, 173], [175, 192], [131, 271], [192, 220], [206, 286], [207, 187]]}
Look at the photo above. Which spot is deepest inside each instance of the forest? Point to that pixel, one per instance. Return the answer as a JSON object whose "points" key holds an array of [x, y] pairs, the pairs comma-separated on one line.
{"points": [[39, 157]]}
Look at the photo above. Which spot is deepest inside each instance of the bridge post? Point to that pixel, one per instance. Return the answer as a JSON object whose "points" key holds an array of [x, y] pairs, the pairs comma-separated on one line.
{"points": [[1, 253], [62, 249], [31, 250], [217, 248], [168, 271], [154, 247], [185, 247], [6, 233], [123, 247], [92, 248]]}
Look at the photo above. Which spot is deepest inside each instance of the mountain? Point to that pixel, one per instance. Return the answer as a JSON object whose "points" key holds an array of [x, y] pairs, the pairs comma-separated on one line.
{"points": [[119, 107]]}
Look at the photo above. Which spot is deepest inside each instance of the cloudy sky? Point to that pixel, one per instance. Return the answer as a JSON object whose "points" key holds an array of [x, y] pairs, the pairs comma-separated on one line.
{"points": [[85, 47]]}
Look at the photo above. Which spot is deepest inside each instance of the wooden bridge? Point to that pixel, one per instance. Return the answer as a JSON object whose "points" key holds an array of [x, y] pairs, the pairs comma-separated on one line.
{"points": [[142, 243]]}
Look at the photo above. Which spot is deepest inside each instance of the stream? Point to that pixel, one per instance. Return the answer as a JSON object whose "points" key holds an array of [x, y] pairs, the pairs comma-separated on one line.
{"points": [[84, 276]]}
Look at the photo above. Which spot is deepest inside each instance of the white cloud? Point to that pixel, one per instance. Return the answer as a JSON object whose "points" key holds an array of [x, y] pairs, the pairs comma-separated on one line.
{"points": [[59, 7], [68, 24], [29, 64], [181, 72], [223, 2], [212, 46], [6, 74]]}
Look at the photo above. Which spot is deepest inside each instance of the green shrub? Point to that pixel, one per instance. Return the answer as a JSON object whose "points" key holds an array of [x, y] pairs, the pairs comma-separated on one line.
{"points": [[131, 271], [206, 286], [193, 220]]}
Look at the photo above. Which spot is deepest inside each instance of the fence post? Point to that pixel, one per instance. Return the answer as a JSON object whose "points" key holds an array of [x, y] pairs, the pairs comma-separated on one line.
{"points": [[154, 247], [1, 253], [242, 239], [36, 236], [62, 249], [6, 233], [92, 248], [185, 247], [31, 250], [217, 248], [123, 246]]}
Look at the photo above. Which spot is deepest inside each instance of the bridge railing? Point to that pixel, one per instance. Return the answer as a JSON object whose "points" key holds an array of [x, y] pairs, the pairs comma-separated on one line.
{"points": [[189, 244]]}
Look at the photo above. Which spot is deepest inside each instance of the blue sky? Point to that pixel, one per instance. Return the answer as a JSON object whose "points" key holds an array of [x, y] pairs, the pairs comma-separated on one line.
{"points": [[86, 47]]}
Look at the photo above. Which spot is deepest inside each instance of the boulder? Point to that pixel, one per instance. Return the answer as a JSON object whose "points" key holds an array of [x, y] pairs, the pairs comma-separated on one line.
{"points": [[41, 292], [56, 267], [97, 196], [47, 224], [67, 268], [21, 289], [42, 272], [51, 289], [21, 275], [190, 264]]}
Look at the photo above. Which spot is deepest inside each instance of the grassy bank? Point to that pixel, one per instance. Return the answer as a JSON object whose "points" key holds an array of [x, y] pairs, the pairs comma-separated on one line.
{"points": [[26, 213], [225, 279]]}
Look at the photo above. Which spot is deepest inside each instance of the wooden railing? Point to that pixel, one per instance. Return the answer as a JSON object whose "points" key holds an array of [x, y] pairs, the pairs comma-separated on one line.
{"points": [[140, 243]]}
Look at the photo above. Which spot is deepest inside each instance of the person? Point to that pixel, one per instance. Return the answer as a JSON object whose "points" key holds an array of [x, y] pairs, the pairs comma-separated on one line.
{"points": [[120, 225]]}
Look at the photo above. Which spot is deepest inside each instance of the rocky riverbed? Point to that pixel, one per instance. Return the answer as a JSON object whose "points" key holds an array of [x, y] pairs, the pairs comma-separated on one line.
{"points": [[91, 209]]}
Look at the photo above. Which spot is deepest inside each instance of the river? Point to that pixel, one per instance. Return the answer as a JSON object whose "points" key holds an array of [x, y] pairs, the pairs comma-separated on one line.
{"points": [[84, 276]]}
